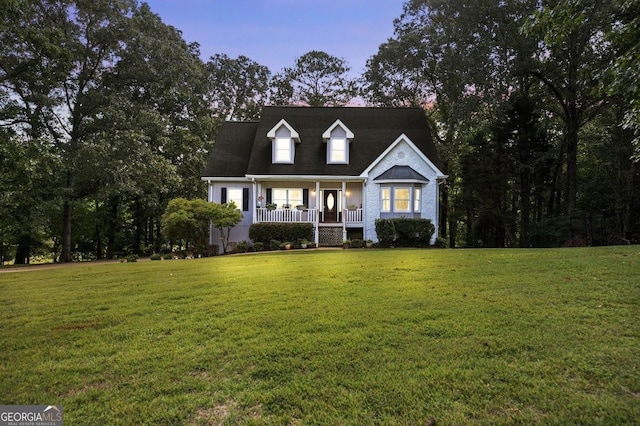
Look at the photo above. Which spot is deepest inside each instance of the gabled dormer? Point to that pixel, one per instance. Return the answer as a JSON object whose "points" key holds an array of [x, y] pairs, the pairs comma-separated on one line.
{"points": [[283, 141], [338, 138]]}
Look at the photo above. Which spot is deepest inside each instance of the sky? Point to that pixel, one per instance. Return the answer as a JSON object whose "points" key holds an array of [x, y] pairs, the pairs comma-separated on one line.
{"points": [[275, 33]]}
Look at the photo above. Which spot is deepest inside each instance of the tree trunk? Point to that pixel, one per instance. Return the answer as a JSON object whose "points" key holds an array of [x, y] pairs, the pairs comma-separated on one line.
{"points": [[112, 221], [23, 251], [138, 224], [67, 211], [99, 248], [66, 232], [572, 164]]}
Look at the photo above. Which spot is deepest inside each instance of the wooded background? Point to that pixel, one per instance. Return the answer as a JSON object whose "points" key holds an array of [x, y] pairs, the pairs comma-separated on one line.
{"points": [[106, 114]]}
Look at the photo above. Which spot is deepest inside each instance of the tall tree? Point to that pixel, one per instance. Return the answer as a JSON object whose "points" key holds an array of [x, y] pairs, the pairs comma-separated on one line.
{"points": [[571, 51], [316, 79], [238, 88]]}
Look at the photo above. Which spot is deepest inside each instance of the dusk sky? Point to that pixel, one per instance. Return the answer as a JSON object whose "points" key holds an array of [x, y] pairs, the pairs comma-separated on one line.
{"points": [[276, 32]]}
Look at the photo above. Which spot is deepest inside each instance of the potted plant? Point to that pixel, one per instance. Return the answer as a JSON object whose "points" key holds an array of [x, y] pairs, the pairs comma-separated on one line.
{"points": [[271, 206], [301, 207], [304, 243], [368, 243]]}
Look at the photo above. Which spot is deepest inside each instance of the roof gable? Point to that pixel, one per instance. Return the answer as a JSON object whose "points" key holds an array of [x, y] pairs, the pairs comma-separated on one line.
{"points": [[327, 133]]}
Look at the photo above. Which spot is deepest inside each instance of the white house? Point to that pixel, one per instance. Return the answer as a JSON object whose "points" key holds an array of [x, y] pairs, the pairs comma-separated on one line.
{"points": [[337, 168]]}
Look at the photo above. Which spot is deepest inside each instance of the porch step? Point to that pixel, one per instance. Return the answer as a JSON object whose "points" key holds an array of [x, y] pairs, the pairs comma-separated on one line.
{"points": [[330, 236]]}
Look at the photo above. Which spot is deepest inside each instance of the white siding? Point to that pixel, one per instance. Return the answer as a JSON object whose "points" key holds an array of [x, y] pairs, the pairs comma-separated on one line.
{"points": [[401, 155]]}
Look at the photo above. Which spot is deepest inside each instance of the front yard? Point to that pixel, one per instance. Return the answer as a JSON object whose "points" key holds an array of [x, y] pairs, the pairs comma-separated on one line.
{"points": [[331, 337]]}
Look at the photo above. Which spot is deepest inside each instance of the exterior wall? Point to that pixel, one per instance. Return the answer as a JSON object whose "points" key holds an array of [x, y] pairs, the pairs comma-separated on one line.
{"points": [[402, 154], [240, 232]]}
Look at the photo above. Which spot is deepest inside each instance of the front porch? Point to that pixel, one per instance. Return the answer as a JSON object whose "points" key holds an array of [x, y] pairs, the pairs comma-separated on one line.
{"points": [[334, 206]]}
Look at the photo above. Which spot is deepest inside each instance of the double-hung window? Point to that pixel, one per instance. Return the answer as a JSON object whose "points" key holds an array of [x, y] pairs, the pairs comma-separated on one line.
{"points": [[338, 150], [401, 199], [283, 150], [284, 197]]}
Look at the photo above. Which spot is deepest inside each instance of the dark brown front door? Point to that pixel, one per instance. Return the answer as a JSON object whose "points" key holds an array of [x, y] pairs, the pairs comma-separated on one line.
{"points": [[330, 206]]}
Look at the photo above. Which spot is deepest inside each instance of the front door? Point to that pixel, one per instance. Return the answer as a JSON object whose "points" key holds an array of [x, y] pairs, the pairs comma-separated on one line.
{"points": [[330, 206]]}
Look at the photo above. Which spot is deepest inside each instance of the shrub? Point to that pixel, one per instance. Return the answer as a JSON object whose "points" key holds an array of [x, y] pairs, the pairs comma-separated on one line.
{"points": [[267, 231], [404, 232], [156, 256], [132, 258], [440, 243], [242, 247], [258, 246], [274, 244], [357, 243]]}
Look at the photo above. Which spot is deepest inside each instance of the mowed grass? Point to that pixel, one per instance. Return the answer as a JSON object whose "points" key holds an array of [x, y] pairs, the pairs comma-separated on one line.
{"points": [[331, 337]]}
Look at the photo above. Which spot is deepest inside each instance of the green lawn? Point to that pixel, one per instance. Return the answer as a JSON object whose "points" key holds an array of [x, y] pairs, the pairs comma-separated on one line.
{"points": [[331, 337]]}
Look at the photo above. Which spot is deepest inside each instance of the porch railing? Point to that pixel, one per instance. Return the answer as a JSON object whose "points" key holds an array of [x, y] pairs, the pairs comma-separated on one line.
{"points": [[353, 216], [306, 215], [286, 215]]}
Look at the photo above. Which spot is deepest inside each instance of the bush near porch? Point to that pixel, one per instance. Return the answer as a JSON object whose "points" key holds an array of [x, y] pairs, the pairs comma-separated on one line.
{"points": [[404, 232], [268, 231]]}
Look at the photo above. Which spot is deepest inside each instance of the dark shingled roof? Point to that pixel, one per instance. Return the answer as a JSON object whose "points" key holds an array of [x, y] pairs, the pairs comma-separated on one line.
{"points": [[230, 154], [244, 148], [401, 173]]}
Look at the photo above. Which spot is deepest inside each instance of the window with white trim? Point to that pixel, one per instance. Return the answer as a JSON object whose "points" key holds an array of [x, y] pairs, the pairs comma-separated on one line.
{"points": [[338, 151], [283, 150], [385, 204], [291, 197], [235, 195], [401, 199]]}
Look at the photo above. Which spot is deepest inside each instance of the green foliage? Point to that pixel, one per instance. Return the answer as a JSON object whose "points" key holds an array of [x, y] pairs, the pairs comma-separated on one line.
{"points": [[317, 79], [155, 256], [267, 231], [239, 87], [404, 232], [242, 247], [189, 220]]}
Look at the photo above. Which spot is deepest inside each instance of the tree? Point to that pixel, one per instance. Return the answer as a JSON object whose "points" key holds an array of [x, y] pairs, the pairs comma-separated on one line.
{"points": [[188, 220], [571, 51], [238, 88], [225, 217], [621, 76], [317, 79]]}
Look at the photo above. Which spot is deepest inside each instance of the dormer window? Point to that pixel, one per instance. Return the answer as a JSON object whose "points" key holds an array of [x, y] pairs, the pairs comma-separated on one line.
{"points": [[338, 137], [283, 151], [283, 138], [337, 150]]}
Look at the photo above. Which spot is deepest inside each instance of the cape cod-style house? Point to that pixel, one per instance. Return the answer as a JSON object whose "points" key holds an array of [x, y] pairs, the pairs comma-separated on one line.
{"points": [[339, 168]]}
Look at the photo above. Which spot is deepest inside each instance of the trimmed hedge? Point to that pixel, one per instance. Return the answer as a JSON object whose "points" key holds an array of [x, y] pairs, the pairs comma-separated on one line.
{"points": [[404, 232], [267, 231]]}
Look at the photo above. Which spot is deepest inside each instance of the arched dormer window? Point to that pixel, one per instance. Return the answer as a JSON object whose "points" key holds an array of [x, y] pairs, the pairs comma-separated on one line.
{"points": [[283, 138], [338, 137]]}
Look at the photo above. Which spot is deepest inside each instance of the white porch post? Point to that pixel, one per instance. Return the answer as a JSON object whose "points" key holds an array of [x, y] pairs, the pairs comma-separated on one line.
{"points": [[365, 231], [344, 205], [317, 224], [254, 201]]}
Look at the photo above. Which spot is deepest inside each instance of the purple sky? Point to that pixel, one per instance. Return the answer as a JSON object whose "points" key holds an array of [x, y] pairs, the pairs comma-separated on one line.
{"points": [[276, 32]]}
